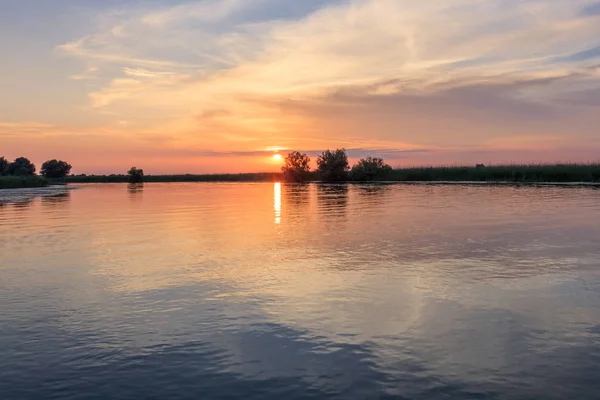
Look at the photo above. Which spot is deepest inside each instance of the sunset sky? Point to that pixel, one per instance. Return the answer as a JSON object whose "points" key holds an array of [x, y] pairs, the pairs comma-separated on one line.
{"points": [[204, 86]]}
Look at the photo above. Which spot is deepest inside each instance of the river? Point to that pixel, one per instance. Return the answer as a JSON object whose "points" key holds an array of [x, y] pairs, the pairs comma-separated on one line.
{"points": [[274, 291]]}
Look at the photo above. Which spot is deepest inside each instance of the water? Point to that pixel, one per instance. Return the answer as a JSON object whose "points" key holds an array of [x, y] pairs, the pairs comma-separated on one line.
{"points": [[268, 291]]}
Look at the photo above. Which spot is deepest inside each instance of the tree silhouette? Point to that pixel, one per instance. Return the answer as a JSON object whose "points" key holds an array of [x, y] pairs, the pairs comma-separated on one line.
{"points": [[370, 169], [135, 175], [21, 167], [55, 169], [296, 168], [3, 166], [333, 166]]}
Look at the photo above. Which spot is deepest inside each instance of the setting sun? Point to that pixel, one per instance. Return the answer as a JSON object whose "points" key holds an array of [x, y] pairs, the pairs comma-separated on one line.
{"points": [[277, 157]]}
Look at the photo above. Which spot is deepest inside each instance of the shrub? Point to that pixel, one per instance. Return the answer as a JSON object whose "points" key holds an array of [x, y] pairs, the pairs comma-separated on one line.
{"points": [[296, 168], [55, 169], [3, 166], [370, 169], [333, 166], [21, 167], [135, 175]]}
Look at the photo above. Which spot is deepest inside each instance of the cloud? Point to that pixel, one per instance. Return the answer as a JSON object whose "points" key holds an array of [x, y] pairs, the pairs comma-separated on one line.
{"points": [[591, 9], [365, 74], [199, 11], [584, 55], [352, 153], [143, 73], [81, 77], [342, 44], [18, 129]]}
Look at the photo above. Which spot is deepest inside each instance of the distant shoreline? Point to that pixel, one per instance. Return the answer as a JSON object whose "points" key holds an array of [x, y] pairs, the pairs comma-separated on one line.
{"points": [[555, 175], [499, 174], [382, 183]]}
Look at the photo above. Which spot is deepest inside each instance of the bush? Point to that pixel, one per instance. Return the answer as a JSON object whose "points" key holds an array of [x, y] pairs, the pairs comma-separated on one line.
{"points": [[55, 169], [333, 166], [296, 168], [370, 169], [3, 166], [21, 167], [135, 175]]}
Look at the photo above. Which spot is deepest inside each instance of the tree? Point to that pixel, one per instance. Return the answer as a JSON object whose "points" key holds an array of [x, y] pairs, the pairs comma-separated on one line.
{"points": [[296, 168], [370, 169], [3, 166], [135, 175], [21, 167], [55, 169], [333, 166]]}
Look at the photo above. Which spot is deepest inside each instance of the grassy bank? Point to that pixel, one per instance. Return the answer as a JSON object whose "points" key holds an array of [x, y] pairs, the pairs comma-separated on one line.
{"points": [[15, 182], [499, 173]]}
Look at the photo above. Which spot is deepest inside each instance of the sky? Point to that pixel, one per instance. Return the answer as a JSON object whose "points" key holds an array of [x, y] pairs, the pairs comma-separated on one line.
{"points": [[203, 86]]}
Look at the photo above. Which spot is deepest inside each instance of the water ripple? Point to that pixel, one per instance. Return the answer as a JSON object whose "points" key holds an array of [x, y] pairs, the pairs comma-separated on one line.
{"points": [[266, 291]]}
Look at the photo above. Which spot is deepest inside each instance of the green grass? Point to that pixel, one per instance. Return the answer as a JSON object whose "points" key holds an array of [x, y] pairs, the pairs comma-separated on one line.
{"points": [[15, 182]]}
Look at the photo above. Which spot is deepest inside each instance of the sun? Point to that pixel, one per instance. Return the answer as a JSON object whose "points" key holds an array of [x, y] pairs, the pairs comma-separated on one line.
{"points": [[277, 157]]}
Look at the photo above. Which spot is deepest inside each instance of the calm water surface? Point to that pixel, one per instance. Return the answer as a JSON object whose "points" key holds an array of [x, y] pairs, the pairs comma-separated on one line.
{"points": [[268, 291]]}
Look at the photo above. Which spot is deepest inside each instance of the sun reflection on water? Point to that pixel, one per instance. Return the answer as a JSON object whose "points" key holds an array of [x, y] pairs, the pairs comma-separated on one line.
{"points": [[277, 202]]}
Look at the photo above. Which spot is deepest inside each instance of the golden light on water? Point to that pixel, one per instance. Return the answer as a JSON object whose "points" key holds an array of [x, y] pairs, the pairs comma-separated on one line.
{"points": [[277, 202]]}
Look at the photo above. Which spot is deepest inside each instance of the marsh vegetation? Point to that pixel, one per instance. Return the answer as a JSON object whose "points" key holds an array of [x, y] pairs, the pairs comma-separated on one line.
{"points": [[331, 166]]}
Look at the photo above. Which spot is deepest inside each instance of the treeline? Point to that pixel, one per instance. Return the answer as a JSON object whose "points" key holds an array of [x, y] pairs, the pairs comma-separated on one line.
{"points": [[118, 178], [333, 166], [22, 173]]}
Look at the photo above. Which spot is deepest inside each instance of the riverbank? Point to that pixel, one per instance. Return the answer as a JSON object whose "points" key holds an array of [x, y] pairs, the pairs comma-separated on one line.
{"points": [[17, 182], [250, 177], [567, 173], [563, 173]]}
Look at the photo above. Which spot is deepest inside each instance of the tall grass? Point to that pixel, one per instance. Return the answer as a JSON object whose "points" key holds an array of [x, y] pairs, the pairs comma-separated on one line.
{"points": [[502, 173], [14, 182], [526, 173]]}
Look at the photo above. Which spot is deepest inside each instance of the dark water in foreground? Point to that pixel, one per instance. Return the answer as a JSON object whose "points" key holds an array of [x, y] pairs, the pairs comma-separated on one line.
{"points": [[262, 291]]}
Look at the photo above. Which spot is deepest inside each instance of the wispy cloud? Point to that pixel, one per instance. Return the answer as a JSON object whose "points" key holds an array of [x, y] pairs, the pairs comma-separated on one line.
{"points": [[382, 74], [348, 43], [591, 9], [143, 73]]}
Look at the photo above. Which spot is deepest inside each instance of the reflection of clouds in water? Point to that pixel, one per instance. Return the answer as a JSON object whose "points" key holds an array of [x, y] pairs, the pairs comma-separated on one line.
{"points": [[474, 343], [485, 301], [267, 362], [205, 344]]}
